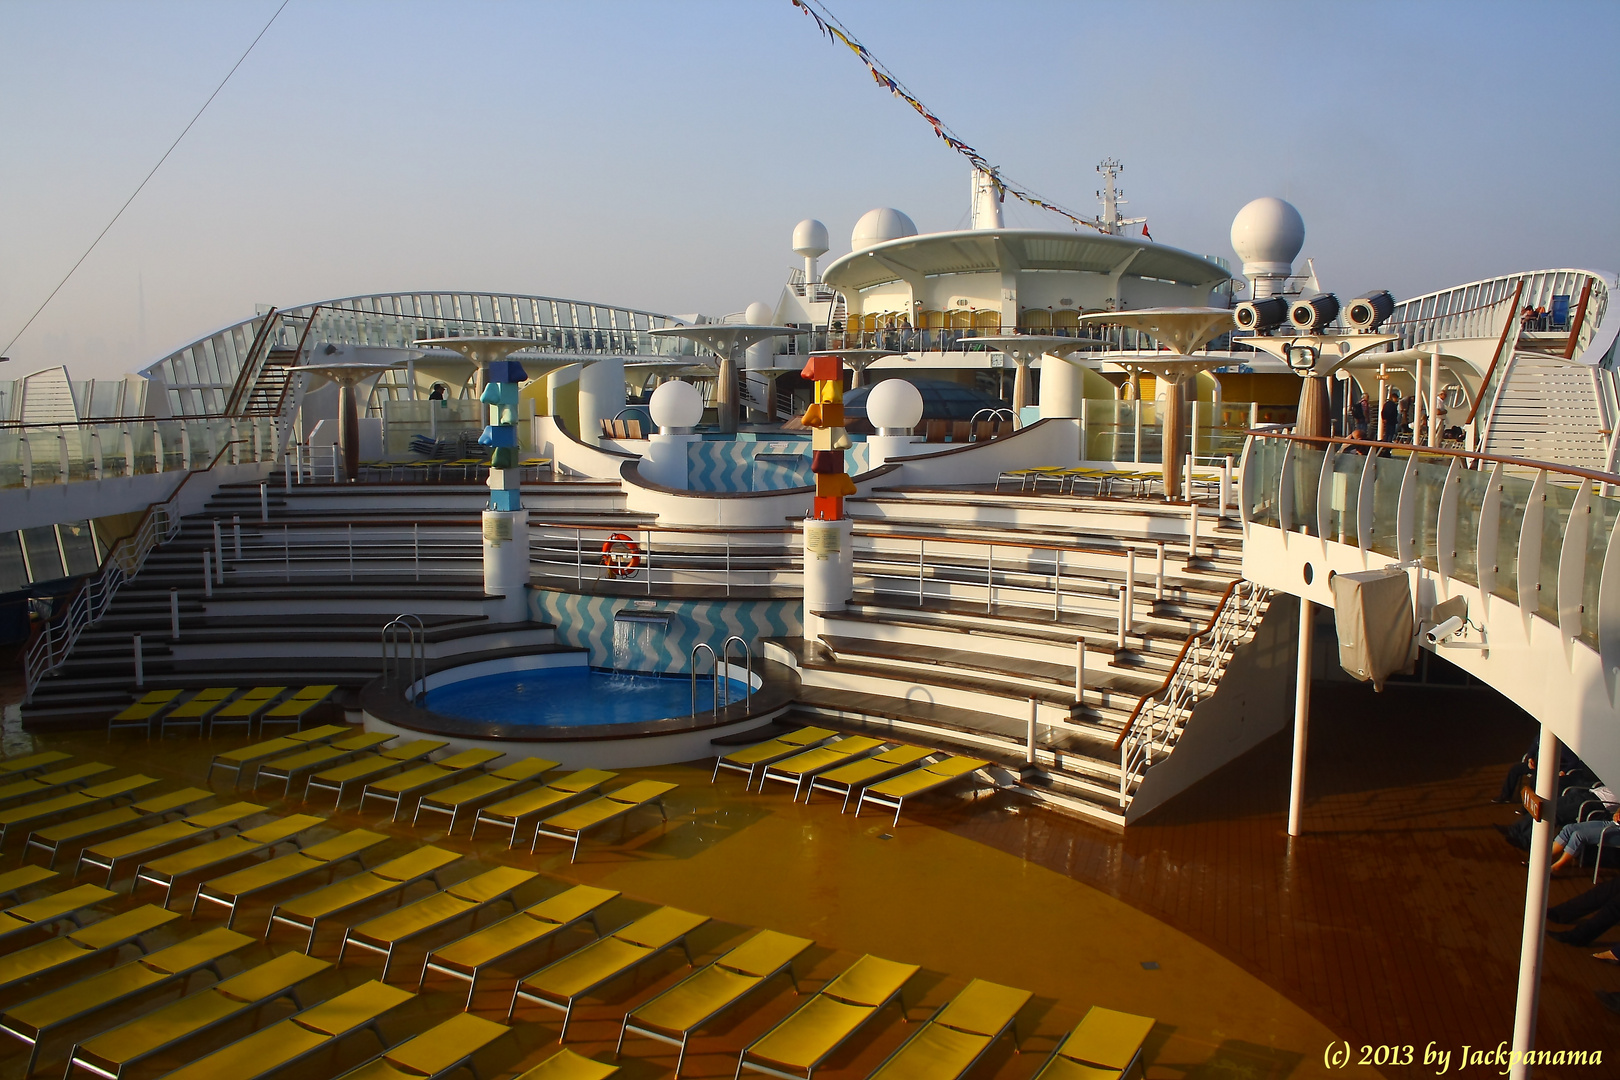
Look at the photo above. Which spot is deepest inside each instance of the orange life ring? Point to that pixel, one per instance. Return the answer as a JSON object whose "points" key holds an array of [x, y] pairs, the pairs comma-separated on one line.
{"points": [[621, 555]]}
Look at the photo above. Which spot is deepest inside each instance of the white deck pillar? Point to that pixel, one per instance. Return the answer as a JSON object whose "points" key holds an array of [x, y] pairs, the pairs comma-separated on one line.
{"points": [[1302, 716], [1535, 904]]}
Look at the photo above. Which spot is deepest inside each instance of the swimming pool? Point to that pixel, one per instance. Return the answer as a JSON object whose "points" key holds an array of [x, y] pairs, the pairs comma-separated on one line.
{"points": [[574, 696]]}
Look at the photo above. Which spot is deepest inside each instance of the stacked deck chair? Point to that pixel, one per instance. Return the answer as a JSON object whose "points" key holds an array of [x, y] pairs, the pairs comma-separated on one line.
{"points": [[72, 805], [294, 767], [310, 911], [474, 793], [697, 1000], [801, 768], [847, 779], [396, 790], [98, 939], [752, 760], [1106, 1045], [297, 708], [138, 716], [893, 793], [435, 1053], [244, 709], [813, 1032], [230, 890], [114, 1052], [520, 812], [464, 899], [238, 761], [53, 839], [195, 710], [149, 843], [197, 861], [560, 984], [369, 767], [960, 1033], [572, 825]]}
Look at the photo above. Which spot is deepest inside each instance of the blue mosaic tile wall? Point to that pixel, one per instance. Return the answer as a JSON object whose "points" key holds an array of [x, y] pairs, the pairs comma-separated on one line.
{"points": [[762, 465], [586, 622]]}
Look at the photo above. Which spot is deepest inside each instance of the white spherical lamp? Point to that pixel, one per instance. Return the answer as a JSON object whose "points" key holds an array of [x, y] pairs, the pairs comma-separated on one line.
{"points": [[894, 407], [676, 407]]}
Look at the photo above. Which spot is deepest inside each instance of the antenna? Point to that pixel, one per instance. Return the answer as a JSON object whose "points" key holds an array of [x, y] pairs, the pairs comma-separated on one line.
{"points": [[1112, 197]]}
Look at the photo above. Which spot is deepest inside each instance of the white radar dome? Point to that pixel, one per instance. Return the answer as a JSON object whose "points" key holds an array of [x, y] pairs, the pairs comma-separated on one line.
{"points": [[1267, 234], [894, 404], [876, 226], [757, 314], [676, 405], [810, 239]]}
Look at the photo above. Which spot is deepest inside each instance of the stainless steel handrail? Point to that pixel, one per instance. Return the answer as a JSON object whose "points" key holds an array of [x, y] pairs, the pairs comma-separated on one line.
{"points": [[415, 647], [715, 666], [748, 666]]}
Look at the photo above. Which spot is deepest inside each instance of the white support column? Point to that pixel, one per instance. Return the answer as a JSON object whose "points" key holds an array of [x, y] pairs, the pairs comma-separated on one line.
{"points": [[829, 571], [1434, 398], [1302, 714], [1535, 904]]}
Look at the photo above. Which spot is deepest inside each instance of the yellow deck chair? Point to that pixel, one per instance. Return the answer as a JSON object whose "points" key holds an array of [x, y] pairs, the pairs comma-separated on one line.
{"points": [[893, 793], [437, 1052], [752, 759], [77, 802], [53, 839], [159, 838], [572, 825], [32, 1020], [567, 1065], [560, 984], [37, 914], [230, 890], [140, 714], [958, 1034], [395, 790], [297, 707], [193, 862], [845, 780], [371, 767], [800, 769], [238, 761], [698, 999], [1105, 1045], [386, 933], [810, 1034], [474, 793], [112, 1053], [245, 708], [516, 813], [466, 958], [97, 939], [287, 769], [18, 767], [13, 882], [51, 783], [195, 710], [309, 911], [318, 1028]]}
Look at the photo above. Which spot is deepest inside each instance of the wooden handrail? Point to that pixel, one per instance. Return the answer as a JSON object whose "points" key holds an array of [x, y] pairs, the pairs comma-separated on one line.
{"points": [[1209, 627], [1467, 455]]}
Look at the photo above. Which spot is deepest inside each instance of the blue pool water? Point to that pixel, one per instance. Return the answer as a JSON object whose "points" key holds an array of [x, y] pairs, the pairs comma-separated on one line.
{"points": [[573, 696]]}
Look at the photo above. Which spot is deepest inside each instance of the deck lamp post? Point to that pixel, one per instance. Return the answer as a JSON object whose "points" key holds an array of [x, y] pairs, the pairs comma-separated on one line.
{"points": [[347, 375], [728, 342]]}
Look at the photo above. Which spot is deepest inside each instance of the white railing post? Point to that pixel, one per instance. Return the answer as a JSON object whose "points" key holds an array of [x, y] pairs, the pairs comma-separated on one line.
{"points": [[1130, 582], [921, 543], [286, 552], [264, 498], [1029, 751], [990, 579], [1226, 482], [1057, 582], [1192, 533], [208, 573], [416, 552], [1158, 574], [174, 613], [140, 666], [1079, 670], [1124, 620], [579, 560], [236, 536], [219, 554]]}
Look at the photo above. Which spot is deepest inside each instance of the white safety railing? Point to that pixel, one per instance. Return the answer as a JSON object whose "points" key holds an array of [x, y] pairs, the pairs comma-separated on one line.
{"points": [[313, 464], [647, 557], [1159, 717], [247, 553]]}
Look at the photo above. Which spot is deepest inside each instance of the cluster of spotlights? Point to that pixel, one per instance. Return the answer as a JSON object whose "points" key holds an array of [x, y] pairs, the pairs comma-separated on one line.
{"points": [[1312, 314]]}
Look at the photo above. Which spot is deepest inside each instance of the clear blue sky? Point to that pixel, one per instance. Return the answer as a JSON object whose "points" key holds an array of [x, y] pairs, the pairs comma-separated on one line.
{"points": [[658, 154]]}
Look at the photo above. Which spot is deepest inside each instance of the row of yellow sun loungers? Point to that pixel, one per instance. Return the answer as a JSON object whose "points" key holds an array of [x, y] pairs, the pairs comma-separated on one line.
{"points": [[73, 804], [54, 838], [221, 707], [230, 890]]}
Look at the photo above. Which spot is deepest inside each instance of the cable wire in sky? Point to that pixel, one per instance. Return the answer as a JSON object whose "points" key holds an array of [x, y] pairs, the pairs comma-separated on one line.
{"points": [[143, 183]]}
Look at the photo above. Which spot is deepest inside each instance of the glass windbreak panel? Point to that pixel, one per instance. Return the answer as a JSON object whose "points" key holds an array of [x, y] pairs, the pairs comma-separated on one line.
{"points": [[1260, 481], [81, 454], [1554, 520], [1307, 474], [173, 445], [78, 547], [1152, 434], [1509, 522], [1107, 427], [141, 441], [113, 460], [1344, 495], [45, 449], [11, 458], [1388, 472], [1471, 485], [44, 557], [1605, 516], [1431, 484], [13, 571]]}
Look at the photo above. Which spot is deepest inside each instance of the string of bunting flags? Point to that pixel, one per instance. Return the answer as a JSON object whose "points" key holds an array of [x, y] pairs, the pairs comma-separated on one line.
{"points": [[833, 30]]}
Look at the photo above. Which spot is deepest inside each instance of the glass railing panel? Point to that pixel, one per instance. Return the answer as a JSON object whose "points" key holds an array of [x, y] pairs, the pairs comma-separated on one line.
{"points": [[45, 450], [1388, 472], [11, 473], [1472, 485], [1109, 430], [1260, 480], [1605, 517], [1554, 520], [1509, 522], [1307, 474], [1152, 435], [113, 459], [174, 457], [1344, 496], [141, 436], [1431, 484]]}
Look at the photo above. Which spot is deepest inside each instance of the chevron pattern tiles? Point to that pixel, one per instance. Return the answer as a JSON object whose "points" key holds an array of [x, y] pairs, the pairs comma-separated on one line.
{"points": [[586, 622]]}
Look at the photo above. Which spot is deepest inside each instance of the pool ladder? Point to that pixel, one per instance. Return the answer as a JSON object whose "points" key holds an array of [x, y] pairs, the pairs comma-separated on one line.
{"points": [[404, 652], [718, 660]]}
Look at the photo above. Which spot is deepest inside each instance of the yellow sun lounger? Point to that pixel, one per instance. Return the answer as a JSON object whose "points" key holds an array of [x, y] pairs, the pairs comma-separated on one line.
{"points": [[54, 838], [563, 982], [18, 767], [572, 825], [245, 708], [799, 769], [150, 842], [751, 759], [239, 760], [165, 872], [98, 938], [229, 891], [111, 1053], [1105, 1045], [32, 1020], [514, 813], [958, 1034], [326, 755], [437, 1052], [466, 958], [370, 767], [307, 912], [696, 1000], [51, 783], [72, 804], [425, 778], [13, 882], [474, 793], [567, 1065], [847, 779], [36, 914], [893, 793], [317, 1028], [140, 714], [385, 933], [796, 1046], [196, 709], [295, 709]]}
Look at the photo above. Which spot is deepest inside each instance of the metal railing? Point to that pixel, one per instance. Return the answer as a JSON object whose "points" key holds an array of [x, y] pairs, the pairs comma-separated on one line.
{"points": [[642, 557], [714, 672], [1160, 716], [748, 667], [404, 654], [33, 455], [262, 552]]}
